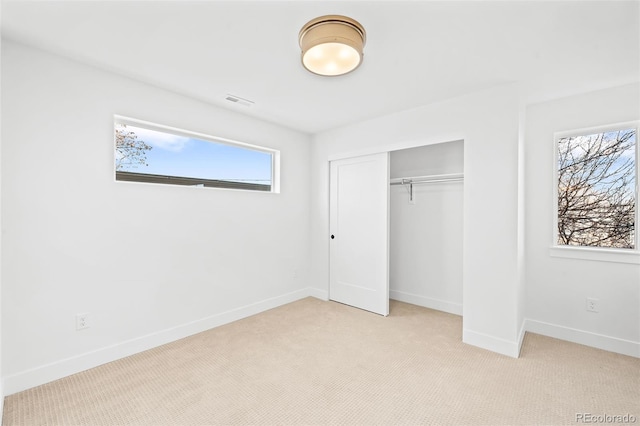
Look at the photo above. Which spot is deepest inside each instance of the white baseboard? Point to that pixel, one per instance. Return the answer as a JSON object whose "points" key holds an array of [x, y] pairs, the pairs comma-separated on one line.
{"points": [[65, 367], [491, 343], [1, 401], [414, 299], [607, 343], [318, 294]]}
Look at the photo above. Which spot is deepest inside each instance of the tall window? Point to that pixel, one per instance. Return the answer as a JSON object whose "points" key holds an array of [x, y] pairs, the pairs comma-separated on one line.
{"points": [[597, 174], [157, 154]]}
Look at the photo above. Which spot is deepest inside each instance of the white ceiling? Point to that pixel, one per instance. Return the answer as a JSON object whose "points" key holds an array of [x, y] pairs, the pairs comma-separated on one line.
{"points": [[417, 52]]}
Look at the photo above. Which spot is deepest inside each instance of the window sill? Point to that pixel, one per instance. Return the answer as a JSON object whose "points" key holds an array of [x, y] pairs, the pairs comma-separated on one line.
{"points": [[597, 254]]}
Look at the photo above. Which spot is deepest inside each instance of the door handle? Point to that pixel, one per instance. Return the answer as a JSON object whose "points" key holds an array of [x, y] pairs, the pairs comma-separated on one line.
{"points": [[332, 237]]}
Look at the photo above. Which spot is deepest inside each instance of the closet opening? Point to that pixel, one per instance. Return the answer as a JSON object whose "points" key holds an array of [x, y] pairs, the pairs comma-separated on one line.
{"points": [[425, 229]]}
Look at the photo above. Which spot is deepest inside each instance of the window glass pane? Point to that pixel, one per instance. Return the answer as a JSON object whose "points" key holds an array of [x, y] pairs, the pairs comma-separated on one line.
{"points": [[597, 189], [146, 155]]}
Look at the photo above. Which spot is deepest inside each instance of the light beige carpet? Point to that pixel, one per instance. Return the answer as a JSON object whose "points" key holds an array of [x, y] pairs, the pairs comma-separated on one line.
{"points": [[314, 362]]}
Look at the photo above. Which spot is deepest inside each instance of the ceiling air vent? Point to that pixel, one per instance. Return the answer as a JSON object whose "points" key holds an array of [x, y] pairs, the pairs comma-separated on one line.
{"points": [[238, 100]]}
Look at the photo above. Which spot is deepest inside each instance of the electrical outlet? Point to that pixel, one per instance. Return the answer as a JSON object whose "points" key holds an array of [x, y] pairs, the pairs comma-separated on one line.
{"points": [[82, 321], [592, 304]]}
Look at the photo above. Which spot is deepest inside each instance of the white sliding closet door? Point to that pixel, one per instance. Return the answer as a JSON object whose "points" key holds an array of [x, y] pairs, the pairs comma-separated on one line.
{"points": [[359, 227]]}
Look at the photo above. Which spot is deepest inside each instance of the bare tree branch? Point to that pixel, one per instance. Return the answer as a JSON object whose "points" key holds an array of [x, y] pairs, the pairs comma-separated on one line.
{"points": [[130, 151], [596, 196]]}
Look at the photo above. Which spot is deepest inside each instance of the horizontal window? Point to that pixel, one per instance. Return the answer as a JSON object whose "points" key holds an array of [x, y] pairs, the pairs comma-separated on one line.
{"points": [[151, 153]]}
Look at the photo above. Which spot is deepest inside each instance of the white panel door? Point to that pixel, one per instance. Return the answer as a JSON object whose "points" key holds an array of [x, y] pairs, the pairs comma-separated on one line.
{"points": [[359, 228]]}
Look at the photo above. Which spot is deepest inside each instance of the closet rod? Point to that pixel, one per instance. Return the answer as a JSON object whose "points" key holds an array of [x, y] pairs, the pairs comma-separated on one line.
{"points": [[427, 179], [456, 177]]}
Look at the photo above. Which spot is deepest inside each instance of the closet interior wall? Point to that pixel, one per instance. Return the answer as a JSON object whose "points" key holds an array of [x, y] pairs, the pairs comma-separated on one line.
{"points": [[426, 231]]}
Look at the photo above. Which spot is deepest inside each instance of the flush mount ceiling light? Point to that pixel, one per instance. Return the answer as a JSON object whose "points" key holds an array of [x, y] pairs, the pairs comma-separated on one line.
{"points": [[332, 45]]}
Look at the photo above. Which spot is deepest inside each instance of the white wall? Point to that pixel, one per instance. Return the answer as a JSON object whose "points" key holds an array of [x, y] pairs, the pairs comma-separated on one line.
{"points": [[1, 370], [150, 263], [557, 287], [488, 123], [425, 238]]}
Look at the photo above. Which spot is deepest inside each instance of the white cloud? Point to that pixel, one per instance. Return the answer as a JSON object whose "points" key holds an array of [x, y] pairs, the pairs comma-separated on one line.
{"points": [[160, 140]]}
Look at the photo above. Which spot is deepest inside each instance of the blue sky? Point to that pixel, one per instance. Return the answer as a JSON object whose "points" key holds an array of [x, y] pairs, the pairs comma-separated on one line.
{"points": [[174, 155], [578, 146]]}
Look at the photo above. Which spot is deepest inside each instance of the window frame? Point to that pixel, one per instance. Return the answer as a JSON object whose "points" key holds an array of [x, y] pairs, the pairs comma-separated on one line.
{"points": [[275, 155], [604, 254]]}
